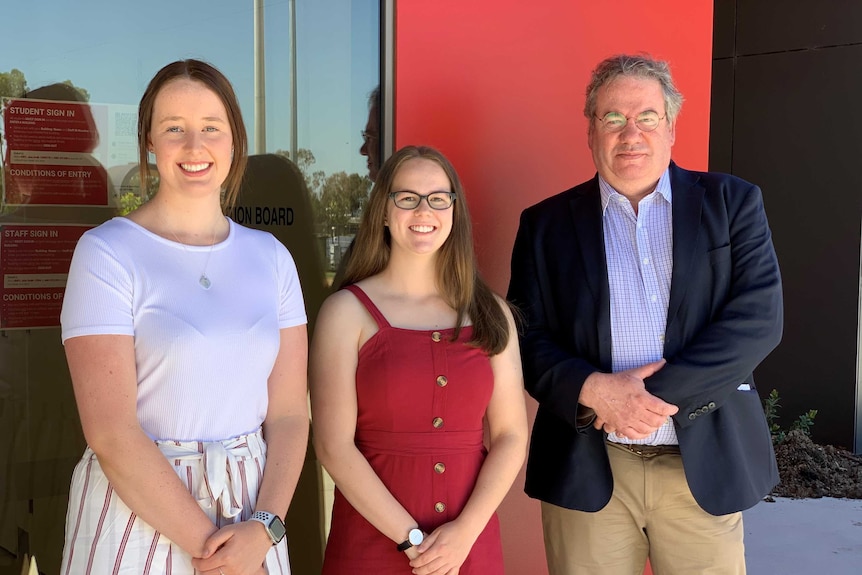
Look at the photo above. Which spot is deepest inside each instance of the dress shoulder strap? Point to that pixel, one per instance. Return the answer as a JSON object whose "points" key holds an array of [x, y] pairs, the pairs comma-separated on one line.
{"points": [[369, 305]]}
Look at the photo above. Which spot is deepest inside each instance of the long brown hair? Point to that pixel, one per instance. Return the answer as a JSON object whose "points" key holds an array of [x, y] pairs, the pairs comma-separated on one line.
{"points": [[457, 274], [209, 76]]}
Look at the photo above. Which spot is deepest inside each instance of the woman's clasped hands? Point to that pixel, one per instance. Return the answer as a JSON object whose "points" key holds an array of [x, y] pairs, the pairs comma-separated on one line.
{"points": [[237, 549], [442, 552]]}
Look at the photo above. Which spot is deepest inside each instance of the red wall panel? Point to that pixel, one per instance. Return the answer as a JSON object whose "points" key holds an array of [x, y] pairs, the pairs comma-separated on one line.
{"points": [[498, 86]]}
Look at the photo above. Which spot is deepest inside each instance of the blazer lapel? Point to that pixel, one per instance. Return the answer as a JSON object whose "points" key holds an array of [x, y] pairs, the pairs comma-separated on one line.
{"points": [[687, 205], [586, 210]]}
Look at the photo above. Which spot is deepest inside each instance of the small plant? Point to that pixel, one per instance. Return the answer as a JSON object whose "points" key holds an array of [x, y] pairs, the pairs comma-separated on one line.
{"points": [[770, 409], [804, 422], [771, 406]]}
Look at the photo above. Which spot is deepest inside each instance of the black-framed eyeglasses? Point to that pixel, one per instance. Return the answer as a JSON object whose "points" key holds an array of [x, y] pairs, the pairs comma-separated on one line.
{"points": [[614, 122], [367, 136], [411, 200]]}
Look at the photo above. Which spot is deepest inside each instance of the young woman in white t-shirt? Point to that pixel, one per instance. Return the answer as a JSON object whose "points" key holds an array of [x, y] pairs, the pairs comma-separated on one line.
{"points": [[186, 341]]}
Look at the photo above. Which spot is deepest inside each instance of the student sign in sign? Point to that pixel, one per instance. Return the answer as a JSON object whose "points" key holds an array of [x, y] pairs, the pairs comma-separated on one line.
{"points": [[48, 153]]}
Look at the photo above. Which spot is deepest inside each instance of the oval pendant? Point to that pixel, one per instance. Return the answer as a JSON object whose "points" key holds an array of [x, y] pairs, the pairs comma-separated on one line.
{"points": [[205, 282]]}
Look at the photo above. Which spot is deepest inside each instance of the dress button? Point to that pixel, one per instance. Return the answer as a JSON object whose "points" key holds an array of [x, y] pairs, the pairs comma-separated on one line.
{"points": [[437, 423], [439, 467], [435, 336], [712, 405], [439, 507], [691, 416], [442, 381]]}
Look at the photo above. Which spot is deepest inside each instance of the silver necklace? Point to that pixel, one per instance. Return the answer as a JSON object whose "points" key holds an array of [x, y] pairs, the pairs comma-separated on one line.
{"points": [[204, 280]]}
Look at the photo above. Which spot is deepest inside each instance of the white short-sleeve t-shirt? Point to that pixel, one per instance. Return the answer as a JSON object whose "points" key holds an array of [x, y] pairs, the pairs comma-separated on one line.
{"points": [[203, 356]]}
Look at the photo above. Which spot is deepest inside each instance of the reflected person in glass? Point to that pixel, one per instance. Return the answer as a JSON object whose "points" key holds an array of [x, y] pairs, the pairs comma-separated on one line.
{"points": [[371, 150], [371, 135]]}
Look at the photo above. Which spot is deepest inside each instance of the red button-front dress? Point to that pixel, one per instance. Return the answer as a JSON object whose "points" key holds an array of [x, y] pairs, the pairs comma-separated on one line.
{"points": [[421, 402]]}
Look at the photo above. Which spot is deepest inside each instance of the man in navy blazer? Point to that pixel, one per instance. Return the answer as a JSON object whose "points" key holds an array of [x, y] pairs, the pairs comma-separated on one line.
{"points": [[650, 293]]}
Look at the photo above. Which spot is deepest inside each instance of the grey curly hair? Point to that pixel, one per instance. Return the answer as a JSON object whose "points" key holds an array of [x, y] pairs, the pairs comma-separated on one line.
{"points": [[633, 66]]}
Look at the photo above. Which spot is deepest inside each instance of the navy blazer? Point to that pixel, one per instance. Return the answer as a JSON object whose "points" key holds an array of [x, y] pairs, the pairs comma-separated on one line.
{"points": [[725, 315]]}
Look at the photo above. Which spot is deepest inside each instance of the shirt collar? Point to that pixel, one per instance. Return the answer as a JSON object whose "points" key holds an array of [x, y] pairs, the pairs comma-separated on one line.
{"points": [[663, 187]]}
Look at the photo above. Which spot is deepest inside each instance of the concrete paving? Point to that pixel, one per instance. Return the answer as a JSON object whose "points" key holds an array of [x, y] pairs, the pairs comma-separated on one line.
{"points": [[804, 537]]}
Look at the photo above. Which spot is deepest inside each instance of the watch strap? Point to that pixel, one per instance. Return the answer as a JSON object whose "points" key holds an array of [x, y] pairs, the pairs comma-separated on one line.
{"points": [[414, 537], [266, 518]]}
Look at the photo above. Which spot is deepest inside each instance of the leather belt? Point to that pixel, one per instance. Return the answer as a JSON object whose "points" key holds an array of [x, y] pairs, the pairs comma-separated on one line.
{"points": [[647, 451]]}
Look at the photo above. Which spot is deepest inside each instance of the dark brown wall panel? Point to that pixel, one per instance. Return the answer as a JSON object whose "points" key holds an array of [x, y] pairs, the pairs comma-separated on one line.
{"points": [[778, 25], [721, 116], [796, 134], [724, 28]]}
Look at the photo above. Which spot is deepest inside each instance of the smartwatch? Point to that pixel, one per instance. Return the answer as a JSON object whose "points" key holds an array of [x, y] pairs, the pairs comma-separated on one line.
{"points": [[273, 523], [414, 537]]}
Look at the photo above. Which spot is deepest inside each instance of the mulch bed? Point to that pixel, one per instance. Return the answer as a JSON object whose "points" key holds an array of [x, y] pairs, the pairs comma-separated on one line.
{"points": [[809, 470]]}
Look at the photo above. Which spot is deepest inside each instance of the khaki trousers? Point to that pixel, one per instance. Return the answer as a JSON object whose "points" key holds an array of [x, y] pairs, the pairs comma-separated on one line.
{"points": [[651, 514]]}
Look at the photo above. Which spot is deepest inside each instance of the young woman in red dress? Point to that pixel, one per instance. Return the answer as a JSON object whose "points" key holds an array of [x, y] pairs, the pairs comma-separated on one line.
{"points": [[417, 394]]}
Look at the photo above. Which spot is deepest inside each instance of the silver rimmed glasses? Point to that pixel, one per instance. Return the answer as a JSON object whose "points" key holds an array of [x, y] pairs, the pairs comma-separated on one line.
{"points": [[616, 122]]}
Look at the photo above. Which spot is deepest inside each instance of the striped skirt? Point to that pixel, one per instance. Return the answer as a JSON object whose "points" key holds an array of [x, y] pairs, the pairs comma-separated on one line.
{"points": [[104, 536]]}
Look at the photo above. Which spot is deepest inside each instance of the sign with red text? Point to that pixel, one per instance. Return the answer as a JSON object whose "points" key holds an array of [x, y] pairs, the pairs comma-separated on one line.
{"points": [[59, 153], [34, 264]]}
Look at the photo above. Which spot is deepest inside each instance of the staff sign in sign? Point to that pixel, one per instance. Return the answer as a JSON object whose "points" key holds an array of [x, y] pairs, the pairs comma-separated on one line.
{"points": [[48, 148], [34, 264]]}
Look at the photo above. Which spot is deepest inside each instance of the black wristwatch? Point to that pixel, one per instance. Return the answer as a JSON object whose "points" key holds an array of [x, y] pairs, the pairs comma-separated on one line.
{"points": [[414, 537], [273, 523]]}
